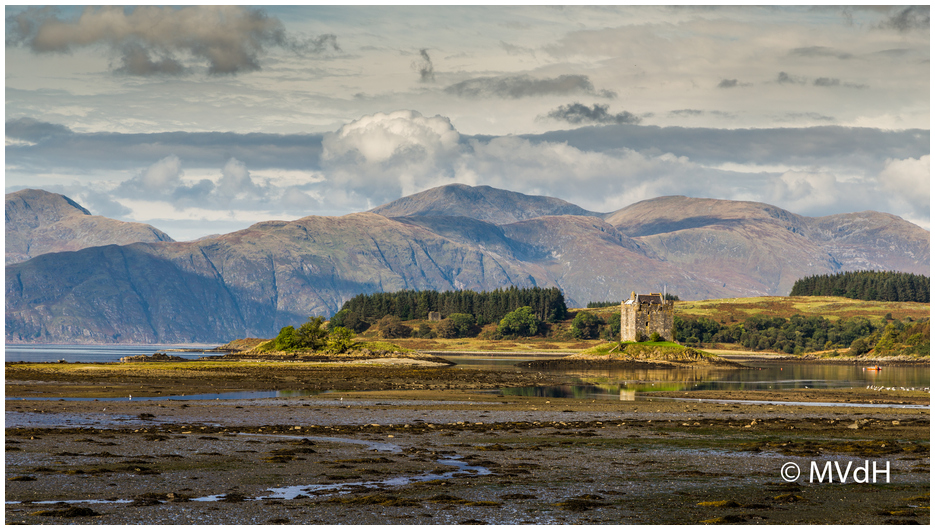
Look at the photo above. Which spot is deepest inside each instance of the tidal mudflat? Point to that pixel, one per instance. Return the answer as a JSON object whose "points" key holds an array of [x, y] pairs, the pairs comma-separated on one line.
{"points": [[441, 446]]}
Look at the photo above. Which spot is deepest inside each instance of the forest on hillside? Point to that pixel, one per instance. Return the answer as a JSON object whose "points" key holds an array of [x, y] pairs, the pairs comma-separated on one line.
{"points": [[884, 286], [547, 304]]}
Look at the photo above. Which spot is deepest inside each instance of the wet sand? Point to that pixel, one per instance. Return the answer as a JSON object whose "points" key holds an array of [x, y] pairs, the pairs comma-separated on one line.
{"points": [[439, 448]]}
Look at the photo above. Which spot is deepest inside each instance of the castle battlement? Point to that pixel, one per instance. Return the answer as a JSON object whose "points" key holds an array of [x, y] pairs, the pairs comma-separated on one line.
{"points": [[644, 314]]}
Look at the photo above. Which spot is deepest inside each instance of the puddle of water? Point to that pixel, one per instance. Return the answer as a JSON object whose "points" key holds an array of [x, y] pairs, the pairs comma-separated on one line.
{"points": [[291, 492]]}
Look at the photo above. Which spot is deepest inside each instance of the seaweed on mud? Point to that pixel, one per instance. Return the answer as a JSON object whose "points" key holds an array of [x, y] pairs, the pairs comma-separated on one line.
{"points": [[719, 504], [788, 497], [725, 519], [581, 503], [374, 499], [71, 511], [22, 478], [233, 497]]}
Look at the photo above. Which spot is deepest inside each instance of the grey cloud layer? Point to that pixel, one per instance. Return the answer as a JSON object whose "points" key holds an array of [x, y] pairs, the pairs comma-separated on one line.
{"points": [[384, 156], [577, 113], [57, 147], [520, 86], [147, 39]]}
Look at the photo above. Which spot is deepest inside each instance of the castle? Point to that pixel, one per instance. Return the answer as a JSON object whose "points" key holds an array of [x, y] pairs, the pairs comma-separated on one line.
{"points": [[643, 314]]}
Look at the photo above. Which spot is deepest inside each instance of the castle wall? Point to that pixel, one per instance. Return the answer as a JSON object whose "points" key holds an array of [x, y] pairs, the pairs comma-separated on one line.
{"points": [[646, 318]]}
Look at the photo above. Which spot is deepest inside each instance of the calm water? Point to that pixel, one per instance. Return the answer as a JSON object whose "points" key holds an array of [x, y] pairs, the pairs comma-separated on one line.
{"points": [[761, 376], [605, 383], [92, 353]]}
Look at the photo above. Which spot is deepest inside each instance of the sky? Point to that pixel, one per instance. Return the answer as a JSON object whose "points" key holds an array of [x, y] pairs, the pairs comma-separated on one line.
{"points": [[206, 119]]}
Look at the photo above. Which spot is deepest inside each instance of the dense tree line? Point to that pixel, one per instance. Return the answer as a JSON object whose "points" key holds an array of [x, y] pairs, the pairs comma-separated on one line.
{"points": [[547, 305], [866, 285], [797, 334], [598, 305]]}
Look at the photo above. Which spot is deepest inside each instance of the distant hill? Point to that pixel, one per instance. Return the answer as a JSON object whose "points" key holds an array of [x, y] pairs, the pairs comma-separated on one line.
{"points": [[760, 249], [276, 273], [39, 222], [479, 202]]}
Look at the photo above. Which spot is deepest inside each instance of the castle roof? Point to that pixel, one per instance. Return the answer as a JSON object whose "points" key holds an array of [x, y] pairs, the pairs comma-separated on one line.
{"points": [[654, 298]]}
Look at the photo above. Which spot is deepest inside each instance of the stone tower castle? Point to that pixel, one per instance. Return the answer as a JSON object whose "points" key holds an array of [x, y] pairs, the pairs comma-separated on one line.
{"points": [[644, 314]]}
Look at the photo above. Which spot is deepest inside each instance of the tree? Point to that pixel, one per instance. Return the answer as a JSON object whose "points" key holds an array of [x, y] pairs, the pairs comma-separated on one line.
{"points": [[520, 322], [586, 325], [286, 339], [340, 340], [391, 327], [464, 323], [312, 335], [351, 320]]}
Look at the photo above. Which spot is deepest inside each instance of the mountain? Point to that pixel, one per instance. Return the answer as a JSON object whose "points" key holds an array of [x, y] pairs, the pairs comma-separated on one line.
{"points": [[479, 202], [276, 273], [761, 249], [39, 222], [247, 283]]}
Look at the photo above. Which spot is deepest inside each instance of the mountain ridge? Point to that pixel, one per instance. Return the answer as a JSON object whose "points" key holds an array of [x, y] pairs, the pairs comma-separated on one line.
{"points": [[275, 273], [39, 222]]}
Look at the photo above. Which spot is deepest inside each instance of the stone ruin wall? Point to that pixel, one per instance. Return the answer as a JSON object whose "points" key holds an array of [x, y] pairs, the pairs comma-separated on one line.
{"points": [[647, 318]]}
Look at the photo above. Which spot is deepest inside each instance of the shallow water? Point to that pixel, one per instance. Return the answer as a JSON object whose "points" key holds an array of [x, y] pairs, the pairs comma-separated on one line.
{"points": [[94, 353], [258, 394]]}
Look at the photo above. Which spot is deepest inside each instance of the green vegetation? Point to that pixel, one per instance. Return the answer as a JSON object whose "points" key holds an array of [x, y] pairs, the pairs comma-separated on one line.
{"points": [[547, 305], [458, 325], [521, 322], [312, 335], [586, 325], [866, 285], [802, 334], [391, 327]]}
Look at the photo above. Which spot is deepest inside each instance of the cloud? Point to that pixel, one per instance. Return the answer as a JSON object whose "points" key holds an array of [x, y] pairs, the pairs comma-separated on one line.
{"points": [[165, 181], [137, 60], [383, 156], [827, 81], [57, 146], [235, 180], [577, 113], [32, 130], [820, 51], [908, 19], [425, 67], [520, 86], [231, 39], [910, 180], [784, 79], [158, 180], [727, 83], [687, 112], [380, 137]]}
